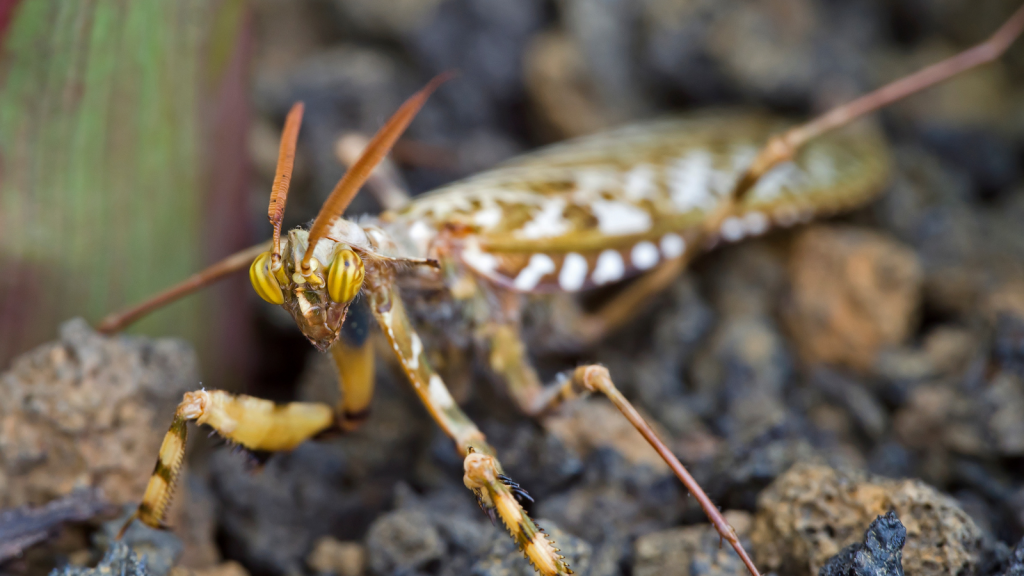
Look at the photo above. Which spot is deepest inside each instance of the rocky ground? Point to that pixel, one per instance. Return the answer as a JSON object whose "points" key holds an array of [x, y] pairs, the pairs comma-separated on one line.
{"points": [[850, 392]]}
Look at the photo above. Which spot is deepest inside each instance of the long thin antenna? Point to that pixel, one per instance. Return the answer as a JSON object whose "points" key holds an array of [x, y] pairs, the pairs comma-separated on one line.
{"points": [[356, 176], [283, 177]]}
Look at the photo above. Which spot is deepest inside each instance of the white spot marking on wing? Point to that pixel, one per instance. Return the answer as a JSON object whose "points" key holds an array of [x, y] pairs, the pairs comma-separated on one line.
{"points": [[439, 395], [690, 179], [422, 234], [640, 183], [591, 182], [550, 221], [479, 260], [756, 223], [609, 267], [733, 229], [619, 218], [574, 272], [488, 217], [539, 266], [417, 349], [644, 255], [672, 245]]}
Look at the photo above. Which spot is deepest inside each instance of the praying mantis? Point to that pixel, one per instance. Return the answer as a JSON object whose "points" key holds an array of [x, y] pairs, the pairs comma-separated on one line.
{"points": [[638, 202]]}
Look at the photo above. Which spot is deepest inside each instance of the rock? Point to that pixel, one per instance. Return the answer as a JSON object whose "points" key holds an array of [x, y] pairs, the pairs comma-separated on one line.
{"points": [[504, 558], [229, 568], [561, 88], [691, 551], [389, 18], [402, 541], [1016, 565], [333, 556], [118, 561], [25, 526], [334, 487], [595, 423], [158, 550], [881, 553], [88, 410], [91, 411], [855, 398], [853, 293], [811, 512], [615, 500]]}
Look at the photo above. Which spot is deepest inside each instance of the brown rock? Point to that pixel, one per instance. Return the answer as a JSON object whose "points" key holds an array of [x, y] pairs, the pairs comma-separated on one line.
{"points": [[853, 292], [595, 423], [88, 411], [812, 511], [561, 88], [229, 568], [91, 411], [690, 550], [330, 555]]}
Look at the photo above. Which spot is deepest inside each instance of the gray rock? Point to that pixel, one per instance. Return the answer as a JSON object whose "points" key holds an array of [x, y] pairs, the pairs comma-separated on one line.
{"points": [[120, 560], [402, 541], [881, 553]]}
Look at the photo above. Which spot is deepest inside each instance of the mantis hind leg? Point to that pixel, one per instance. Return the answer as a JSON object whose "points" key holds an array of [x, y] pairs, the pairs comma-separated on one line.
{"points": [[508, 359]]}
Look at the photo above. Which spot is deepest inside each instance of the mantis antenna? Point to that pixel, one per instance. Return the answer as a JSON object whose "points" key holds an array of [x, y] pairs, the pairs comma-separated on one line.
{"points": [[375, 151], [282, 178]]}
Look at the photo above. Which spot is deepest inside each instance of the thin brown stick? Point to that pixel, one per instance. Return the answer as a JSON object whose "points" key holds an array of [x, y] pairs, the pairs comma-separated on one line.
{"points": [[237, 261], [282, 178], [354, 178], [596, 378], [784, 146]]}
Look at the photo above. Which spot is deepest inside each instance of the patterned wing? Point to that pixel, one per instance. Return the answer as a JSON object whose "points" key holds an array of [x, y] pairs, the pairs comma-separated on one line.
{"points": [[605, 207]]}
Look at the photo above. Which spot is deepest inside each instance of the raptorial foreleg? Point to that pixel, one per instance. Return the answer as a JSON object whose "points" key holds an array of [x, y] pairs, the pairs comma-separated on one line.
{"points": [[495, 492], [253, 423]]}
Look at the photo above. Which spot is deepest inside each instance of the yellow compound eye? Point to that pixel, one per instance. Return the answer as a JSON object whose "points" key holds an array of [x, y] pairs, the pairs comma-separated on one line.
{"points": [[345, 276], [264, 281]]}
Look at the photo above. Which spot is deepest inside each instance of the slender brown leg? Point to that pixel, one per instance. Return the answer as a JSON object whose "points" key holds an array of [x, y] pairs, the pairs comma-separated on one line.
{"points": [[595, 378], [508, 359], [494, 491], [782, 148]]}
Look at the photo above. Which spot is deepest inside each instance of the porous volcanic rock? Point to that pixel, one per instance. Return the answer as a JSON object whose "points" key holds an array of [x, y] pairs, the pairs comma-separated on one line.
{"points": [[853, 292], [88, 410], [812, 511], [691, 550]]}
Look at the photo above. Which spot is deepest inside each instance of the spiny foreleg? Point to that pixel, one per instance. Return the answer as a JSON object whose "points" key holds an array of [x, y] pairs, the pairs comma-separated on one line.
{"points": [[495, 492], [252, 423]]}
